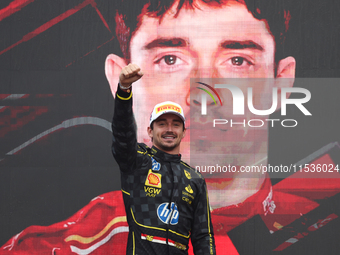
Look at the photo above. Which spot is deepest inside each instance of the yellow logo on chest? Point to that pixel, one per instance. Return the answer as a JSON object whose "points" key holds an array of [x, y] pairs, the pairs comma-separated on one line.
{"points": [[187, 174], [151, 192], [153, 179], [189, 189]]}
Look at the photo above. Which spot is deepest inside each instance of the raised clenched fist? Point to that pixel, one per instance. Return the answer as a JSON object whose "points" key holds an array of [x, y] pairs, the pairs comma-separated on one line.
{"points": [[130, 74]]}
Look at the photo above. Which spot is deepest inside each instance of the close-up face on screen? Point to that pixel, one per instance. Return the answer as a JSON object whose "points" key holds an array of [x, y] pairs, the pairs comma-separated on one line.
{"points": [[257, 81], [223, 41], [209, 42]]}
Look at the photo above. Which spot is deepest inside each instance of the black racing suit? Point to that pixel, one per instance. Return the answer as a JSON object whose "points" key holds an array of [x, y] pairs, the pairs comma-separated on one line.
{"points": [[166, 201]]}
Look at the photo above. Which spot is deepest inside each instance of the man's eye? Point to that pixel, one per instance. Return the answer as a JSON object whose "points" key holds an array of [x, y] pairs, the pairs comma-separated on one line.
{"points": [[237, 61], [170, 59], [170, 62]]}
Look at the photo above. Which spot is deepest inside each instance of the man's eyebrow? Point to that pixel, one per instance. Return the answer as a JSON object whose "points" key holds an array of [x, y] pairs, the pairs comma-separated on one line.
{"points": [[166, 42], [159, 120], [248, 44]]}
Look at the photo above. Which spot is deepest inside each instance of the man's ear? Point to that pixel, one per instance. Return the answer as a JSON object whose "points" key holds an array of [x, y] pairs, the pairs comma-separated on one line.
{"points": [[113, 66], [285, 76], [150, 132], [286, 68]]}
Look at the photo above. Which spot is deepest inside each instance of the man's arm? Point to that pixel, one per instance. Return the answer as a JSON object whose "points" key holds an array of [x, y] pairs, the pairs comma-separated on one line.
{"points": [[202, 237], [124, 141]]}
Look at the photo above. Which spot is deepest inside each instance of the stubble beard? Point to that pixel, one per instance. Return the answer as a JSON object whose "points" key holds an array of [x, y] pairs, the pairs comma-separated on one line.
{"points": [[165, 147]]}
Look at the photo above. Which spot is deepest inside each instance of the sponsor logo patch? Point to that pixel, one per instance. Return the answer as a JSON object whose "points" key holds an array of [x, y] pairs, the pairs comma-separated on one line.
{"points": [[165, 214], [168, 107], [153, 179], [149, 238], [180, 246], [155, 165], [186, 199], [162, 240], [268, 203], [187, 174], [151, 192], [187, 194], [189, 189]]}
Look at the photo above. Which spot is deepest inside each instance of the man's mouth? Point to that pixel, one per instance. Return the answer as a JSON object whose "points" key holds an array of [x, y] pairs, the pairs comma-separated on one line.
{"points": [[169, 137], [218, 127]]}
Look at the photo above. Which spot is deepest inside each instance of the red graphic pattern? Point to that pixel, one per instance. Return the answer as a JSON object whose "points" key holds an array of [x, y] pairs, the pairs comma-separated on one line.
{"points": [[13, 7], [18, 117], [17, 5]]}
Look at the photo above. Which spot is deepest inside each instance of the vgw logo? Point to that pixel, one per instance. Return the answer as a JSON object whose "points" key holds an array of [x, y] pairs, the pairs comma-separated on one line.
{"points": [[166, 215]]}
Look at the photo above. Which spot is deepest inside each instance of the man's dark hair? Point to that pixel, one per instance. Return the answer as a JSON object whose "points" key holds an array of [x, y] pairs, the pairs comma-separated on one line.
{"points": [[130, 12]]}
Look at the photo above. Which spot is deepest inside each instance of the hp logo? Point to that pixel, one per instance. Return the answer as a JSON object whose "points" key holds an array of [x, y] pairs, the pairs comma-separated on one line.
{"points": [[164, 213]]}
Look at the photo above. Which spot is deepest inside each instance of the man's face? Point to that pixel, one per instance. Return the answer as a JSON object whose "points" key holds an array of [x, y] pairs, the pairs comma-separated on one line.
{"points": [[218, 42], [167, 133]]}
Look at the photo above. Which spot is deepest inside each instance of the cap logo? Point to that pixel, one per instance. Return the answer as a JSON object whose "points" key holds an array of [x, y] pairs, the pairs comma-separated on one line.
{"points": [[168, 107]]}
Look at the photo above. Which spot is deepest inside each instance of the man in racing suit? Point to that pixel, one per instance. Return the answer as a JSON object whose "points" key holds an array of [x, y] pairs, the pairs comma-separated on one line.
{"points": [[166, 201]]}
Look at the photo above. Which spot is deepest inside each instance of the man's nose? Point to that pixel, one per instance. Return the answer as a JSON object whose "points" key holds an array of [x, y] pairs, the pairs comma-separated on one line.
{"points": [[203, 95], [197, 96], [169, 128], [205, 67], [205, 71]]}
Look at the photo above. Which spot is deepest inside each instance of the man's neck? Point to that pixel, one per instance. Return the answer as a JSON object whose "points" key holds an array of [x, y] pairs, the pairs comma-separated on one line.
{"points": [[238, 188], [234, 192]]}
